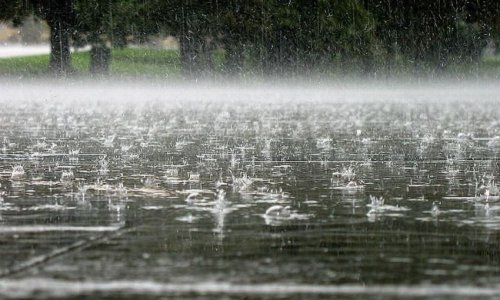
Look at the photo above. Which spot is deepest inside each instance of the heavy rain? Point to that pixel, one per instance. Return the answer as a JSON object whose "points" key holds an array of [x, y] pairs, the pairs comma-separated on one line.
{"points": [[269, 149]]}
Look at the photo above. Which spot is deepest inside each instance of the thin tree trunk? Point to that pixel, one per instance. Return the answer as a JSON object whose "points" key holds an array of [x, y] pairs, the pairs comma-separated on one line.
{"points": [[100, 59], [187, 56], [233, 65], [60, 59], [187, 43]]}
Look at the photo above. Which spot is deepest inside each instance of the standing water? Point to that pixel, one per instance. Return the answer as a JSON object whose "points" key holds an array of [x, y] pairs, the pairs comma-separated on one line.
{"points": [[126, 192]]}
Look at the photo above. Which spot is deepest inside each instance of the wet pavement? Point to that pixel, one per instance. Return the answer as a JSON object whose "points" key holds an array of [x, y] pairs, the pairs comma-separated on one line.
{"points": [[122, 192]]}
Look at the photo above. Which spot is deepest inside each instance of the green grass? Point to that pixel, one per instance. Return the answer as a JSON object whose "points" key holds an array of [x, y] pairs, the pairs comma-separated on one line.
{"points": [[19, 66], [491, 66], [129, 62], [145, 62], [161, 64]]}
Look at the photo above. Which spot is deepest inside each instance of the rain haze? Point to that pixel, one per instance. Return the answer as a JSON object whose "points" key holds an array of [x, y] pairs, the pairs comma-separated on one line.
{"points": [[227, 149]]}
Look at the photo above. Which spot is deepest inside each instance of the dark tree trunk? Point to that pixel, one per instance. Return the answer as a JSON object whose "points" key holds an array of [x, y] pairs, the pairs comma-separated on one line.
{"points": [[196, 39], [188, 55], [270, 55], [100, 58], [233, 64], [60, 59], [195, 53], [59, 17], [187, 46]]}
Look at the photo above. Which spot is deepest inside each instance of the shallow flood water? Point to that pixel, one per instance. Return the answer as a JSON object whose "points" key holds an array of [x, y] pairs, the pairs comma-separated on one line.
{"points": [[203, 193]]}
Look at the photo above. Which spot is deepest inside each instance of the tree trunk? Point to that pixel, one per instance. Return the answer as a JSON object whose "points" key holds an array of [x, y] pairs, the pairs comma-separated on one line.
{"points": [[100, 58], [59, 16], [60, 60], [233, 64], [188, 56]]}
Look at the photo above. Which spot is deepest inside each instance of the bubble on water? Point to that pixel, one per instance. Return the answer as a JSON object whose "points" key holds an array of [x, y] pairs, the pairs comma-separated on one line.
{"points": [[74, 154], [324, 144], [278, 211], [347, 174], [108, 142], [193, 198], [271, 195], [67, 175], [378, 206], [234, 161], [220, 210], [189, 218], [242, 183], [103, 166], [17, 172], [435, 208], [179, 145], [125, 148], [488, 190], [194, 177], [172, 173]]}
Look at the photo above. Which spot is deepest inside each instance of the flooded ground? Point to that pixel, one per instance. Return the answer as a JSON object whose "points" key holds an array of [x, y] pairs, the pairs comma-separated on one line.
{"points": [[120, 192]]}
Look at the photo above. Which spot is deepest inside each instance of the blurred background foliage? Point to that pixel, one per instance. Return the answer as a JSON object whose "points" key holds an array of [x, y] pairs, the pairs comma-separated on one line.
{"points": [[270, 37]]}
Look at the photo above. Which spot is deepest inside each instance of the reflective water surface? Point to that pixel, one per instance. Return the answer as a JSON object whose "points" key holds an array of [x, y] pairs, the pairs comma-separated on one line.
{"points": [[203, 193]]}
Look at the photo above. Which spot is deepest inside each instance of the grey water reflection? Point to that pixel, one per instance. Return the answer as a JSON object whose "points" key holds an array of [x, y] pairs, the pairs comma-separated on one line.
{"points": [[203, 198]]}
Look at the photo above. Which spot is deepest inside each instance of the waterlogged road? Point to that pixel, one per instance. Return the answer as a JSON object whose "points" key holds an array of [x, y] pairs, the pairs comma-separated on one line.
{"points": [[116, 192]]}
